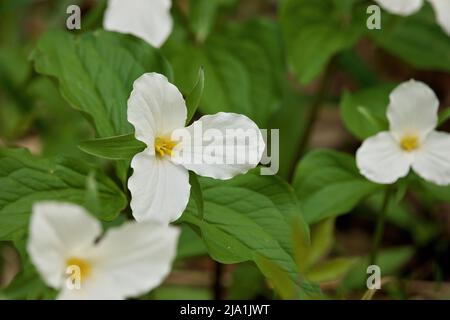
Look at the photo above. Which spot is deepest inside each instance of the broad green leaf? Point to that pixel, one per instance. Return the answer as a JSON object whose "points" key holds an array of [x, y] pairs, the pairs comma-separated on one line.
{"points": [[328, 184], [243, 65], [245, 216], [416, 39], [26, 179], [194, 98], [96, 71], [122, 147], [314, 31], [61, 128], [330, 270], [281, 281], [364, 112]]}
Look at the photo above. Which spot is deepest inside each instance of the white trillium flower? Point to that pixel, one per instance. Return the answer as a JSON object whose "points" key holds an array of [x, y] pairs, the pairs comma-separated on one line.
{"points": [[127, 261], [149, 20], [411, 141], [160, 182], [409, 7]]}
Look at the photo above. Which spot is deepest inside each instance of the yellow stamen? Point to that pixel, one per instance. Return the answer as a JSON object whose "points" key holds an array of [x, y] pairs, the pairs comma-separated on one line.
{"points": [[164, 146], [409, 142], [83, 265]]}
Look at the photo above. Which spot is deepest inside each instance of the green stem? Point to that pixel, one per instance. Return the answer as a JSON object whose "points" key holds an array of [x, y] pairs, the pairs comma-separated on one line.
{"points": [[379, 229], [317, 103]]}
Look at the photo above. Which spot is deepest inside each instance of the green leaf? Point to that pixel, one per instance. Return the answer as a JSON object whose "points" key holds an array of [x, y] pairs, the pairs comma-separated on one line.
{"points": [[281, 281], [243, 65], [329, 184], [92, 198], [26, 179], [302, 245], [330, 270], [429, 49], [190, 244], [322, 240], [122, 147], [196, 193], [314, 31], [364, 112], [194, 98], [181, 293], [245, 216], [444, 115], [96, 71], [203, 15], [434, 193]]}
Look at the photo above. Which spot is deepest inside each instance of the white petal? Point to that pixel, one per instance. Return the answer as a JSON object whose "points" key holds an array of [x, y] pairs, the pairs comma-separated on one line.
{"points": [[147, 19], [159, 188], [213, 149], [136, 257], [432, 160], [413, 109], [381, 160], [99, 288], [442, 9], [155, 108], [401, 7], [57, 232]]}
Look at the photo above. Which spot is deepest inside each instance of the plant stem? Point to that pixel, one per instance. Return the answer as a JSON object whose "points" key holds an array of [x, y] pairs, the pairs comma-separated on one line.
{"points": [[314, 109], [217, 285], [379, 229]]}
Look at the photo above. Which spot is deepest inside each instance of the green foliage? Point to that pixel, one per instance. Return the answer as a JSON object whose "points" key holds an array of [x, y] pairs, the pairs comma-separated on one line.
{"points": [[314, 31], [243, 65], [416, 39], [26, 179], [247, 283], [96, 71], [329, 184], [310, 256], [364, 112], [203, 15], [246, 218], [389, 261], [122, 147], [27, 285], [194, 98], [223, 58]]}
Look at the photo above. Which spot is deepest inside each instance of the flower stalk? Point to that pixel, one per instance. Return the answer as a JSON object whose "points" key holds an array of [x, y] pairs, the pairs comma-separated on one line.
{"points": [[379, 228]]}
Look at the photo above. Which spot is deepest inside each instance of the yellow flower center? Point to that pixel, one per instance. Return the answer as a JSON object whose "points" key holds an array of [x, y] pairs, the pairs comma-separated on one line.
{"points": [[83, 266], [409, 142], [164, 146]]}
